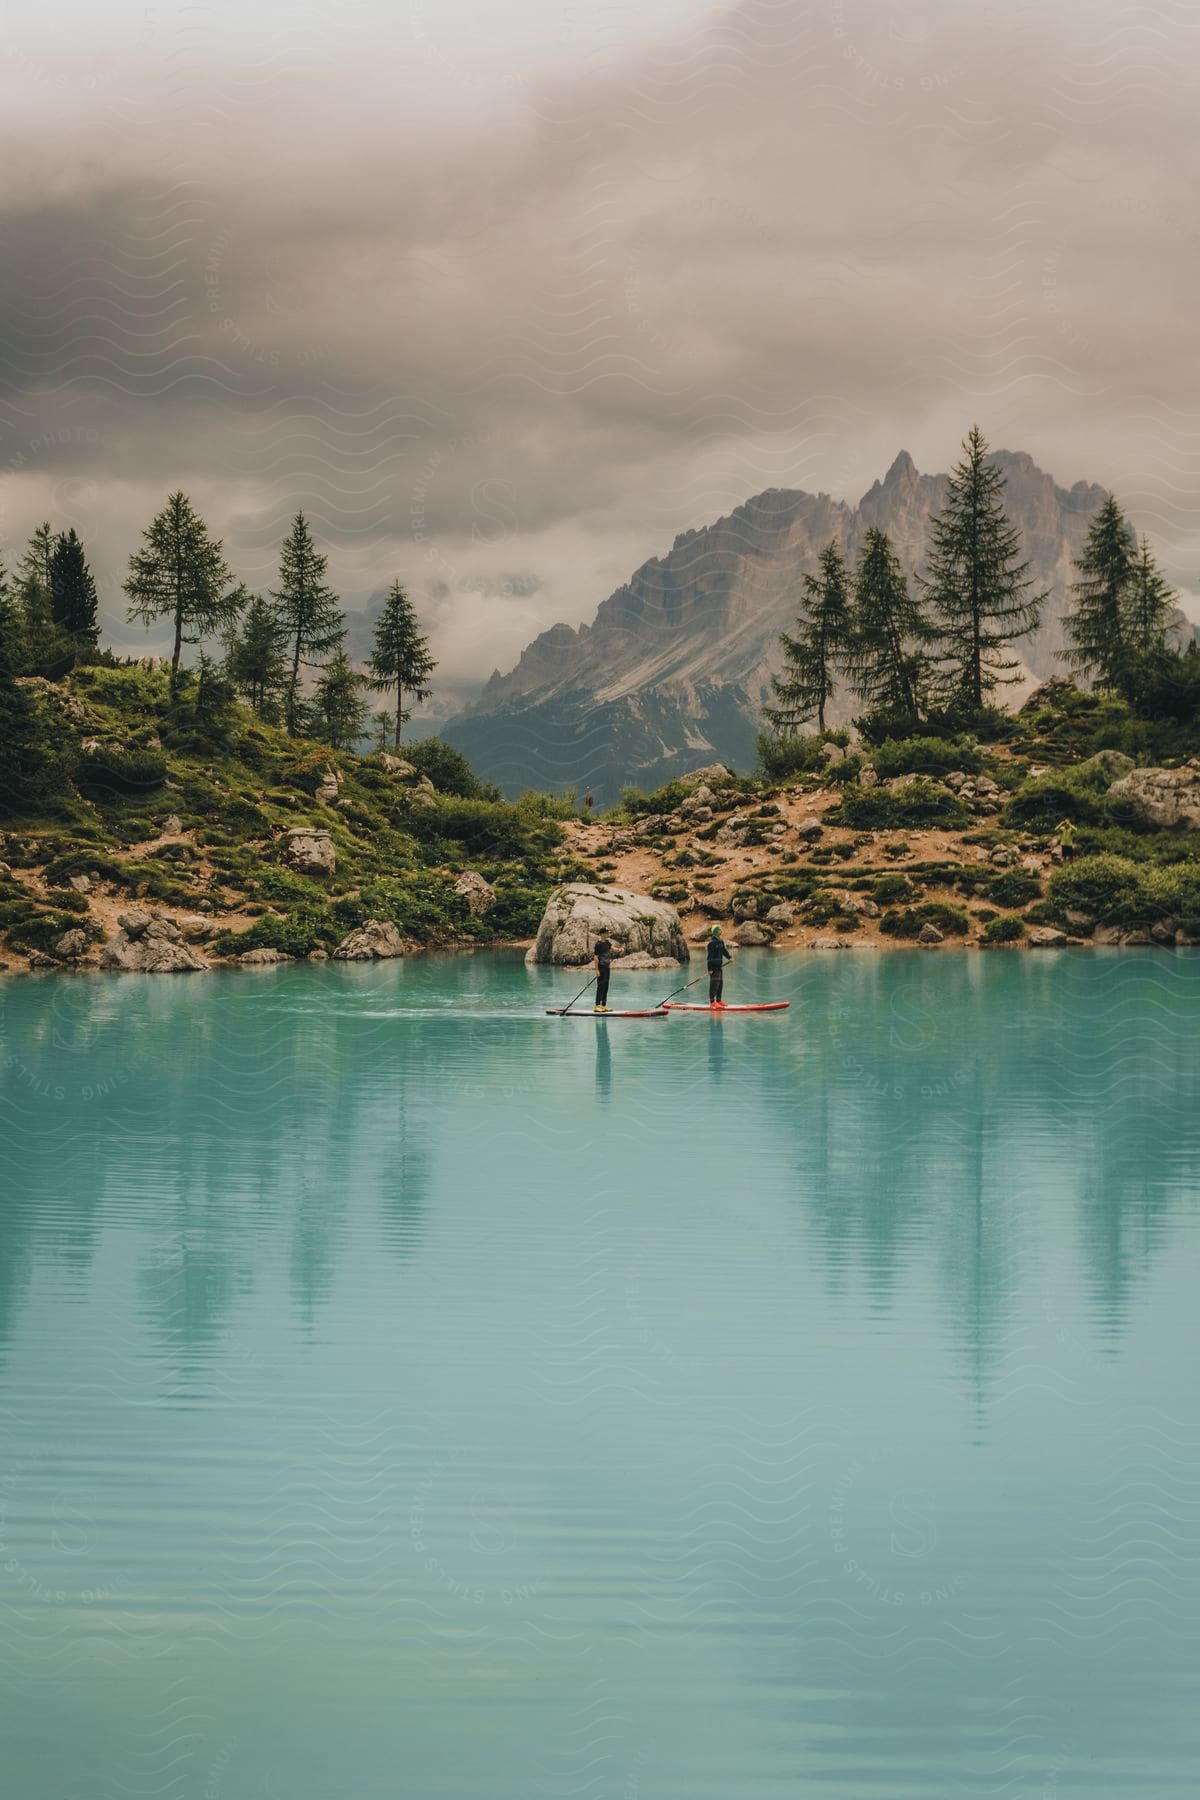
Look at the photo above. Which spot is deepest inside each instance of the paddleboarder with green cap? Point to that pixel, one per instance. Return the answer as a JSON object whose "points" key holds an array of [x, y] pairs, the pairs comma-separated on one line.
{"points": [[719, 954]]}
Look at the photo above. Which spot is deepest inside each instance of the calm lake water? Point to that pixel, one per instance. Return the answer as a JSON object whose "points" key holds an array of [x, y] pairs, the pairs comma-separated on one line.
{"points": [[406, 1394]]}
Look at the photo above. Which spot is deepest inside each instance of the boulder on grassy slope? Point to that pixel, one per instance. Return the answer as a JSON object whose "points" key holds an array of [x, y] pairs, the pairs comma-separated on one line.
{"points": [[578, 913]]}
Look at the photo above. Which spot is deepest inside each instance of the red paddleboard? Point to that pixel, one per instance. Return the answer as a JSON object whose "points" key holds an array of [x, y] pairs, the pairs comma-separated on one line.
{"points": [[755, 1006], [563, 1012]]}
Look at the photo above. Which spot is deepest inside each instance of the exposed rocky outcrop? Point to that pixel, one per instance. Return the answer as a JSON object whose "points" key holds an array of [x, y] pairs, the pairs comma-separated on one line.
{"points": [[309, 850], [146, 945], [371, 942], [577, 914], [1162, 797], [261, 957], [479, 894]]}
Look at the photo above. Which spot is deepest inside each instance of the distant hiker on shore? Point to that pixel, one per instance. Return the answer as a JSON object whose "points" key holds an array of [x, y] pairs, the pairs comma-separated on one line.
{"points": [[1065, 836], [719, 954], [587, 801], [602, 950]]}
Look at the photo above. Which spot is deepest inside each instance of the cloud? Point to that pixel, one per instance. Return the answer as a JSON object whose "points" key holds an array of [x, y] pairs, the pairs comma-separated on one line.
{"points": [[544, 322]]}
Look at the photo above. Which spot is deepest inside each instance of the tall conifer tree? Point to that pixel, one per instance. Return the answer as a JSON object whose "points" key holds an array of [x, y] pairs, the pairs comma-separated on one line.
{"points": [[254, 660], [400, 656], [1097, 623], [1149, 603], [310, 618], [73, 593], [340, 712], [886, 662], [976, 589], [817, 648], [180, 575]]}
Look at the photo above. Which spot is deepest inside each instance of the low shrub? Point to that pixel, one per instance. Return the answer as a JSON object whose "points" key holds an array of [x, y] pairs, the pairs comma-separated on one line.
{"points": [[886, 888], [102, 774], [1111, 888], [1004, 930], [906, 922], [1045, 799], [1012, 887], [307, 928], [921, 755], [915, 802]]}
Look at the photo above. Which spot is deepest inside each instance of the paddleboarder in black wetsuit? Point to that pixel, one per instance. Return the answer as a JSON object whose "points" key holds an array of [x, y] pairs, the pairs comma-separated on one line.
{"points": [[602, 950], [719, 954]]}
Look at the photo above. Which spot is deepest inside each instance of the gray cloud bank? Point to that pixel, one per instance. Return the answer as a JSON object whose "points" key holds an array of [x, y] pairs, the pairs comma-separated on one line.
{"points": [[506, 330]]}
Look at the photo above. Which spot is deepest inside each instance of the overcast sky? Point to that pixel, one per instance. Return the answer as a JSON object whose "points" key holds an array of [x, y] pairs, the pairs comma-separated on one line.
{"points": [[507, 297]]}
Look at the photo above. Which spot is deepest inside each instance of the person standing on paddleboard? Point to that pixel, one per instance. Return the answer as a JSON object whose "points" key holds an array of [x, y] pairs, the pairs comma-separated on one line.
{"points": [[719, 954], [602, 950]]}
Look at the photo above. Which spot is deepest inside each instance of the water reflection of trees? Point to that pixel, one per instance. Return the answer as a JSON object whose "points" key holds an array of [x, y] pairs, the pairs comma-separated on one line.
{"points": [[944, 1107]]}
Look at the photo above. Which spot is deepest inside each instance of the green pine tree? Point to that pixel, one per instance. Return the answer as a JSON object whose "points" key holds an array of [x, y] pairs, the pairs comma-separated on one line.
{"points": [[817, 648], [400, 656], [885, 660], [309, 617], [20, 759], [1097, 624], [976, 589], [339, 710], [254, 659], [1149, 603], [180, 575], [45, 651], [73, 601]]}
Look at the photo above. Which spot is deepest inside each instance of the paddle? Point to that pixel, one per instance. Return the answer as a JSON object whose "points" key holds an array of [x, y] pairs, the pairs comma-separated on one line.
{"points": [[685, 987], [579, 996]]}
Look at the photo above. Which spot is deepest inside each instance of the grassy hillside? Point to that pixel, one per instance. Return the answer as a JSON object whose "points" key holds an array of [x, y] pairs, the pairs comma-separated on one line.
{"points": [[115, 762]]}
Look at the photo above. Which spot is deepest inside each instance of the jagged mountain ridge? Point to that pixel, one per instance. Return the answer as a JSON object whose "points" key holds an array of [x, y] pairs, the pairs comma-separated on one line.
{"points": [[676, 665]]}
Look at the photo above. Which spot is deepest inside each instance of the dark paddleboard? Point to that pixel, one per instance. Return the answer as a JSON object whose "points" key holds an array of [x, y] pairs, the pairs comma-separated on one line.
{"points": [[754, 1006], [563, 1012]]}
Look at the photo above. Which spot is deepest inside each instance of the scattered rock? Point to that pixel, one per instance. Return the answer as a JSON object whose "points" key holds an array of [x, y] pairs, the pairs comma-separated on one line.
{"points": [[172, 825], [867, 776], [700, 936], [640, 959], [930, 935], [72, 944], [151, 947], [396, 765], [309, 850], [745, 906], [1106, 934], [317, 955], [833, 753], [579, 912], [82, 884], [1162, 797], [1046, 937], [1163, 931], [261, 958], [782, 913], [479, 894], [1080, 921], [751, 935], [370, 942], [954, 780], [809, 828], [1136, 937], [38, 959], [1183, 939], [197, 930], [423, 797], [705, 777]]}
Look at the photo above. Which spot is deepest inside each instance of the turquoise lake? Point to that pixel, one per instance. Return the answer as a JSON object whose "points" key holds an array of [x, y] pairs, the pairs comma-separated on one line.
{"points": [[406, 1394]]}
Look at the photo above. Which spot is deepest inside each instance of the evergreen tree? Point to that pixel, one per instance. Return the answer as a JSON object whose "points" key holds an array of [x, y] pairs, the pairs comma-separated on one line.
{"points": [[400, 656], [977, 591], [1097, 624], [339, 710], [254, 659], [73, 593], [1149, 602], [885, 658], [310, 619], [45, 652], [180, 575], [20, 760], [817, 649]]}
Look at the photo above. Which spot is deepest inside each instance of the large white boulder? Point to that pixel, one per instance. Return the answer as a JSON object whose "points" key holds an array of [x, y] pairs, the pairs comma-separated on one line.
{"points": [[146, 945], [1162, 797], [309, 850], [577, 914], [371, 942]]}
